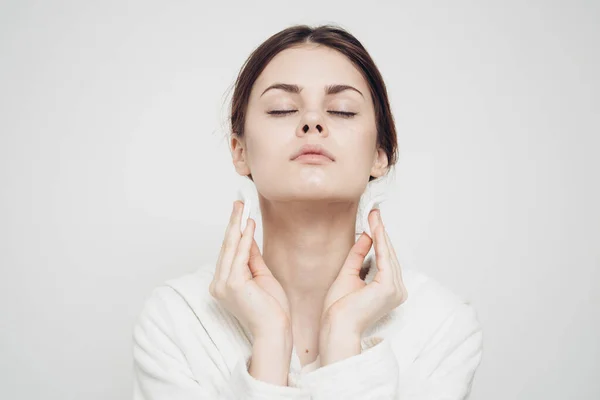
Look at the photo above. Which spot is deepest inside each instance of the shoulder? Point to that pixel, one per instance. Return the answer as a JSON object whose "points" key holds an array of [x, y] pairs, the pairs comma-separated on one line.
{"points": [[432, 303], [172, 301], [193, 287], [432, 314], [186, 295], [438, 330], [426, 293], [427, 297], [182, 334], [434, 306], [182, 316]]}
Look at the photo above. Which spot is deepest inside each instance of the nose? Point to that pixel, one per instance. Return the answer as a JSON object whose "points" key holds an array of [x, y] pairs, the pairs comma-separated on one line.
{"points": [[306, 128], [312, 121]]}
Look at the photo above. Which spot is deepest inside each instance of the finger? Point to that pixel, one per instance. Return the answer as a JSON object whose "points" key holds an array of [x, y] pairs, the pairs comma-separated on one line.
{"points": [[397, 269], [382, 255], [393, 259], [239, 267], [223, 245], [356, 257], [393, 255], [371, 301], [373, 221], [256, 263], [230, 242], [231, 219]]}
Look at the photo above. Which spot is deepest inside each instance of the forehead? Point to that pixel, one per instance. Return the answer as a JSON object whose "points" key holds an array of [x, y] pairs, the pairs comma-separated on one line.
{"points": [[311, 65]]}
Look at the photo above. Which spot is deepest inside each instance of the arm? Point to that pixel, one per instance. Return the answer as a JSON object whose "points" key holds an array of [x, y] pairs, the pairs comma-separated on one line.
{"points": [[162, 371], [443, 370], [270, 361]]}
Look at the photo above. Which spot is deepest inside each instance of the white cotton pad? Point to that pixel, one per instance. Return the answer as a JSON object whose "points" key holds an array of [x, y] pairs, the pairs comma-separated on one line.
{"points": [[374, 195], [372, 204], [241, 195], [246, 192]]}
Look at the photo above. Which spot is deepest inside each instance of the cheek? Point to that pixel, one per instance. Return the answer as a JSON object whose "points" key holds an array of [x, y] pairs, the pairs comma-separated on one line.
{"points": [[269, 143], [257, 134], [358, 144], [266, 143]]}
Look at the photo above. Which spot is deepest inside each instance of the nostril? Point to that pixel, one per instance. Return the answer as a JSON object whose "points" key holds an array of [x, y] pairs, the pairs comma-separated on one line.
{"points": [[305, 128], [319, 128]]}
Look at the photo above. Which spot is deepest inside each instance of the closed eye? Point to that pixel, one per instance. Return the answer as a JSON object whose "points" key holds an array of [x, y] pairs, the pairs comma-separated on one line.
{"points": [[281, 112], [344, 114]]}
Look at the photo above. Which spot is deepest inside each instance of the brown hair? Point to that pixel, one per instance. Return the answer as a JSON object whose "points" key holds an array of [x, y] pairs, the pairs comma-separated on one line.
{"points": [[333, 37]]}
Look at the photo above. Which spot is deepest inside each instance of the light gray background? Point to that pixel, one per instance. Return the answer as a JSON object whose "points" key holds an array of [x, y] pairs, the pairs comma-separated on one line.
{"points": [[115, 175]]}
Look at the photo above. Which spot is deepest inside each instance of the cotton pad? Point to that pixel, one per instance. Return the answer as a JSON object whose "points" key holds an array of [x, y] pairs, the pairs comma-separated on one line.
{"points": [[246, 192], [372, 204], [374, 195]]}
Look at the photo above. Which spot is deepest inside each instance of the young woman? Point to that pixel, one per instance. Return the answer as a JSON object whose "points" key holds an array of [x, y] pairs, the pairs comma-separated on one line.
{"points": [[310, 317]]}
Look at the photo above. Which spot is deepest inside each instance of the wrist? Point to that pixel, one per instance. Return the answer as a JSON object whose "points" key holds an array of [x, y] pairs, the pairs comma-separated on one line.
{"points": [[335, 323], [280, 339], [337, 343], [278, 331], [270, 360]]}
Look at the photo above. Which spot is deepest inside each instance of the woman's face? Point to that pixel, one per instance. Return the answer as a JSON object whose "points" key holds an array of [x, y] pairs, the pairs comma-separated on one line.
{"points": [[270, 139]]}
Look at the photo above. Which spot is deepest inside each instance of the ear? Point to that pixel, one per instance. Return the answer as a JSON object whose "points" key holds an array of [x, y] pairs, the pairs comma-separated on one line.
{"points": [[380, 163], [237, 149]]}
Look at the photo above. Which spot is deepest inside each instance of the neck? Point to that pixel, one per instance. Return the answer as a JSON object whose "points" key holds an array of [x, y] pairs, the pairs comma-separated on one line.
{"points": [[305, 245]]}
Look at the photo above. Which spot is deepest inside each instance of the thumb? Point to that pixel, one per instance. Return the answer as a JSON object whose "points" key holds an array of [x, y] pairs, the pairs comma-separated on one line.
{"points": [[256, 263], [356, 256]]}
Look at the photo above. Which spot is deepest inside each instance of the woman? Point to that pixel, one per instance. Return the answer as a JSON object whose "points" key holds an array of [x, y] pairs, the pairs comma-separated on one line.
{"points": [[311, 317]]}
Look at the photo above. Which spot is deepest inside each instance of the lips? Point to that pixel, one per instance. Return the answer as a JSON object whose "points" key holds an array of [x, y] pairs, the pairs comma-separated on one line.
{"points": [[313, 149]]}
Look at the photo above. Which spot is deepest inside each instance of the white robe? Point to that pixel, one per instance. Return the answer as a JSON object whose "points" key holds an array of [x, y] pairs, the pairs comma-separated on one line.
{"points": [[188, 347]]}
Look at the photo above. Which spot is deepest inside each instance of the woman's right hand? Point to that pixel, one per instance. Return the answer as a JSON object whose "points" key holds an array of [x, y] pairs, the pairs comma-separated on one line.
{"points": [[243, 283]]}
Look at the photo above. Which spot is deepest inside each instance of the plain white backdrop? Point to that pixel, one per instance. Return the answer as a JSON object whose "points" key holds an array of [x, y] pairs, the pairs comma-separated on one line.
{"points": [[115, 173]]}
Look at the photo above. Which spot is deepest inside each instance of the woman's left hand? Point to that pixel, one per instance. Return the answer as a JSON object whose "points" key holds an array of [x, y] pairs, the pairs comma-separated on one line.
{"points": [[351, 305]]}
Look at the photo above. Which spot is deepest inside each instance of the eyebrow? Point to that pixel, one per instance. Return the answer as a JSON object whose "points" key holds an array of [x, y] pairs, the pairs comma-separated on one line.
{"points": [[330, 89]]}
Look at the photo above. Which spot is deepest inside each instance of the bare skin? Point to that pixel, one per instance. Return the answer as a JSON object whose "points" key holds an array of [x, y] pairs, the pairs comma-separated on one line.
{"points": [[308, 215], [246, 287]]}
